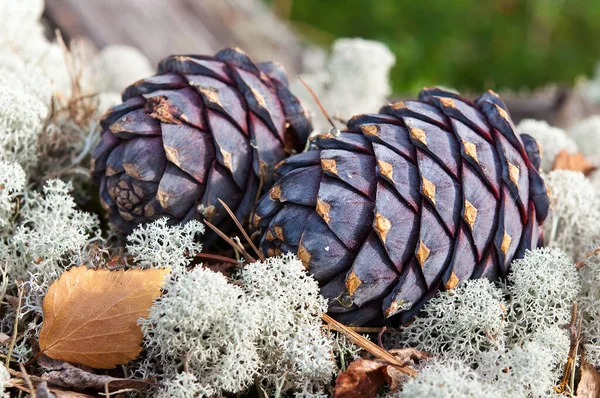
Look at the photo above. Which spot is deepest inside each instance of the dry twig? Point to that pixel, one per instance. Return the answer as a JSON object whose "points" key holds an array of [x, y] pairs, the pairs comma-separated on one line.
{"points": [[568, 379], [27, 378], [15, 327], [580, 263]]}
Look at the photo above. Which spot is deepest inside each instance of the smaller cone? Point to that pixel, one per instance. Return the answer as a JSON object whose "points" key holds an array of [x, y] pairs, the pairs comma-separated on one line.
{"points": [[203, 128]]}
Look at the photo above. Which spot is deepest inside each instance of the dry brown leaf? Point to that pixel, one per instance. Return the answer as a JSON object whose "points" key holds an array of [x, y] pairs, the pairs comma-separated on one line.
{"points": [[90, 316], [364, 377], [589, 384], [572, 161], [4, 338], [59, 393], [407, 356]]}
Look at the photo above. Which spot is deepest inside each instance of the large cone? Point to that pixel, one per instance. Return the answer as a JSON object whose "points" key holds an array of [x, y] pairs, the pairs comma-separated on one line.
{"points": [[417, 198]]}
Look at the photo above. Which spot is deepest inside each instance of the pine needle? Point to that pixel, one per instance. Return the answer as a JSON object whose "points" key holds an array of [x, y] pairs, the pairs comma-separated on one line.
{"points": [[242, 230], [370, 347], [580, 263], [230, 241], [312, 93], [217, 257]]}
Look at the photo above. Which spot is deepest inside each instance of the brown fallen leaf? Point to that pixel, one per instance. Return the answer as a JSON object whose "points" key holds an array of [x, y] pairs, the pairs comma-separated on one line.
{"points": [[90, 316], [572, 161], [589, 384], [59, 393], [406, 356], [4, 338], [365, 377]]}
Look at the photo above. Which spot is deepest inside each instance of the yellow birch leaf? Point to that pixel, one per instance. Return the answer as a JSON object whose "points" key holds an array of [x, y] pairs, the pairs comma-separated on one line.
{"points": [[90, 316]]}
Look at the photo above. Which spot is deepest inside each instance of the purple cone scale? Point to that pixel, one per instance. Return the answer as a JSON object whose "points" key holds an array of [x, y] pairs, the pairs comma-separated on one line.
{"points": [[417, 198], [202, 129]]}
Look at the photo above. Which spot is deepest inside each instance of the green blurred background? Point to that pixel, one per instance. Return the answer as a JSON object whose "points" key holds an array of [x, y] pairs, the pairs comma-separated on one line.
{"points": [[465, 44]]}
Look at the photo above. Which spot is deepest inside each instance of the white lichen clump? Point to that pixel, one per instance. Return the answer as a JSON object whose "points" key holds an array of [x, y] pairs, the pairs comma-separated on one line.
{"points": [[205, 326], [520, 371], [511, 339], [574, 223], [461, 322], [446, 379], [22, 33], [589, 301], [22, 115], [543, 286], [31, 75], [551, 140], [161, 245], [556, 339], [4, 381], [51, 230], [293, 347], [12, 183], [118, 66], [594, 179], [586, 135], [590, 89], [336, 85], [20, 22], [183, 385], [267, 329]]}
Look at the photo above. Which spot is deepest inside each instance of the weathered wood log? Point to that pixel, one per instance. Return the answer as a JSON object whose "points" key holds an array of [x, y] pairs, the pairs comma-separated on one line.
{"points": [[558, 105], [160, 28]]}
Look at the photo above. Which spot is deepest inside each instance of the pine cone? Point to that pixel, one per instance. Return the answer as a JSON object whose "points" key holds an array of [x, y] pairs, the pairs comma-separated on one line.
{"points": [[203, 128], [419, 197]]}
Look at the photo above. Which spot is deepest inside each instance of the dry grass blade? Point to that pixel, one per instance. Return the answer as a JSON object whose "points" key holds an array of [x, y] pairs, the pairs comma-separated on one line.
{"points": [[370, 347], [366, 329], [217, 257], [312, 93], [242, 230], [229, 240], [580, 263], [27, 378], [15, 328], [568, 378]]}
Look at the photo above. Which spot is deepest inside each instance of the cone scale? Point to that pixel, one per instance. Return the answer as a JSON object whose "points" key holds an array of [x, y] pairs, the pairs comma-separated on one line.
{"points": [[417, 198]]}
